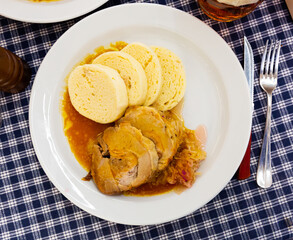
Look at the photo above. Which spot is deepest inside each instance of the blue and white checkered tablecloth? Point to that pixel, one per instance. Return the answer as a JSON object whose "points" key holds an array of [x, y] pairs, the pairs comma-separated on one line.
{"points": [[32, 208]]}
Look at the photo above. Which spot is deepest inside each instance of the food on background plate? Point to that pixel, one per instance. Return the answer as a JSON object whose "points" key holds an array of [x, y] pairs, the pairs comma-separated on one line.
{"points": [[44, 0], [147, 150], [131, 72], [173, 75], [152, 67], [97, 92]]}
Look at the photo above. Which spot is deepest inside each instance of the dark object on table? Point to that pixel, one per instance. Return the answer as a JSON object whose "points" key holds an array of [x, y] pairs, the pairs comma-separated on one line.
{"points": [[15, 73], [290, 6], [244, 168]]}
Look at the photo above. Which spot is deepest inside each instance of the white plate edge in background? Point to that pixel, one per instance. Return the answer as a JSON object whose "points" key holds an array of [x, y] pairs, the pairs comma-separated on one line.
{"points": [[47, 12]]}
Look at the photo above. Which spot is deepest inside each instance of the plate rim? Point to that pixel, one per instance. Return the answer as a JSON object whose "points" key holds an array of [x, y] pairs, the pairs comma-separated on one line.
{"points": [[30, 19], [76, 26]]}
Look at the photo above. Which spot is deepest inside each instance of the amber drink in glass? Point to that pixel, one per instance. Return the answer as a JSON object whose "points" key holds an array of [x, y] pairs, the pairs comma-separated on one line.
{"points": [[228, 10]]}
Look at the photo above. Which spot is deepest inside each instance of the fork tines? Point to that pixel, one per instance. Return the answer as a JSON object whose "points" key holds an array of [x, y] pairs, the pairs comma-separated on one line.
{"points": [[270, 56]]}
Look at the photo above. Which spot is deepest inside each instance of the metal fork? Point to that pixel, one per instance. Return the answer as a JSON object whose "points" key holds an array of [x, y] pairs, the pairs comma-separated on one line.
{"points": [[268, 82]]}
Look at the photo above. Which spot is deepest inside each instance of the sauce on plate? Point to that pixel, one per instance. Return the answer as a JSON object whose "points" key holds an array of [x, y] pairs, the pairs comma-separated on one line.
{"points": [[149, 189], [80, 131]]}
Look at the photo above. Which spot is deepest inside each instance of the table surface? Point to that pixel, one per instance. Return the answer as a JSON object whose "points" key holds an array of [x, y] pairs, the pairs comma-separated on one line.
{"points": [[32, 208]]}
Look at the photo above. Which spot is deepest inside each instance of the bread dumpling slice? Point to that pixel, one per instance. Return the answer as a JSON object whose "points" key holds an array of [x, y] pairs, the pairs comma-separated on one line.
{"points": [[97, 92], [152, 67], [131, 72], [174, 81]]}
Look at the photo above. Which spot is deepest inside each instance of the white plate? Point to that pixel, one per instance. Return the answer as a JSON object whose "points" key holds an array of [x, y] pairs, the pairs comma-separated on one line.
{"points": [[217, 96], [47, 12]]}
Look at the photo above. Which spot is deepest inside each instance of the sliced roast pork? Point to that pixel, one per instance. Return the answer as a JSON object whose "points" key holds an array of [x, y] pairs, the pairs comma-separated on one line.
{"points": [[164, 129], [123, 159]]}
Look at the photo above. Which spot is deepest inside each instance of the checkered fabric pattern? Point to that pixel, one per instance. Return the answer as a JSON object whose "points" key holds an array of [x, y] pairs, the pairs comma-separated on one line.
{"points": [[32, 208]]}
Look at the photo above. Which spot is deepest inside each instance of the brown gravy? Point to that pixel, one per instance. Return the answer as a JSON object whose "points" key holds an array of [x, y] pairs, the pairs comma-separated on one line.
{"points": [[149, 189], [80, 131]]}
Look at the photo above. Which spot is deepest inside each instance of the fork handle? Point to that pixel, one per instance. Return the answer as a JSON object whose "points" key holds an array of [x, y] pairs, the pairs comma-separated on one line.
{"points": [[264, 170]]}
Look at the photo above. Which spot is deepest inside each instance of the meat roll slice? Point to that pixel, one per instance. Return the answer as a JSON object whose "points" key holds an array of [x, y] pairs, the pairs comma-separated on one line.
{"points": [[123, 159], [164, 129]]}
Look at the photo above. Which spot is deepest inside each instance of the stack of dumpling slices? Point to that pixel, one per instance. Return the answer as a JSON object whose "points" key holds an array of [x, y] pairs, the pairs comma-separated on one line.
{"points": [[136, 75]]}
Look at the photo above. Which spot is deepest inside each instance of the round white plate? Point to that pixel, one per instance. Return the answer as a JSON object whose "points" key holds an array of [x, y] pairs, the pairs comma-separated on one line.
{"points": [[216, 96], [47, 12]]}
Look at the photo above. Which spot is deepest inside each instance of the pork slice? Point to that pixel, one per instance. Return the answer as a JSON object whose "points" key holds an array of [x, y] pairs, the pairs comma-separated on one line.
{"points": [[130, 158], [174, 131], [163, 129], [102, 174]]}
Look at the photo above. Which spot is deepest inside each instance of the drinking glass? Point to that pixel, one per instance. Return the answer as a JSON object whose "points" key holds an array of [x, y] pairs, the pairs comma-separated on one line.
{"points": [[227, 10]]}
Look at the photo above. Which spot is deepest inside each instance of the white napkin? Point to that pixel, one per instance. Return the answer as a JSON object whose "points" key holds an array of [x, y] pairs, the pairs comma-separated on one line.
{"points": [[237, 3]]}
